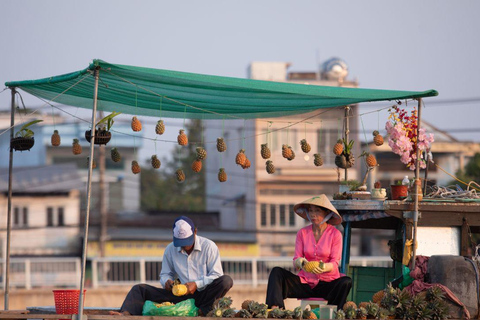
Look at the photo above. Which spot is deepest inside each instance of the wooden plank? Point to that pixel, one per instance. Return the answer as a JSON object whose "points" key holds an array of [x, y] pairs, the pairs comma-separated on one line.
{"points": [[34, 316], [14, 311]]}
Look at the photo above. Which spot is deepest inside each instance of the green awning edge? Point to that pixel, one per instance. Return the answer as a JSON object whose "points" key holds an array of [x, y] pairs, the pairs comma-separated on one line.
{"points": [[49, 80]]}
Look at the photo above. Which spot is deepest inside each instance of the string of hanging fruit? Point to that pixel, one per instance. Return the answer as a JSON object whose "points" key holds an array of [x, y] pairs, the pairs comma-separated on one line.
{"points": [[343, 150]]}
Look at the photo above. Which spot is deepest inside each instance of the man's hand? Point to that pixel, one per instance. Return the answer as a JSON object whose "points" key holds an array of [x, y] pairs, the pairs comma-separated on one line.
{"points": [[191, 287], [300, 262], [169, 285]]}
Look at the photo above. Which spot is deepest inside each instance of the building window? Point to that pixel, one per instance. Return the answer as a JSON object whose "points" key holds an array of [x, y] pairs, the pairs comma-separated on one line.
{"points": [[263, 215], [61, 220], [282, 215], [49, 217], [20, 217], [291, 216], [273, 215]]}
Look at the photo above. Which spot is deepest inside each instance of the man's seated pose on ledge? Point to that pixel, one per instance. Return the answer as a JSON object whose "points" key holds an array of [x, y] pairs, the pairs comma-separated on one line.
{"points": [[195, 262]]}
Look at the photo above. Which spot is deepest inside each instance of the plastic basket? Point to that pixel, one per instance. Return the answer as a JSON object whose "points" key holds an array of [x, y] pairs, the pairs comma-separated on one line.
{"points": [[66, 301]]}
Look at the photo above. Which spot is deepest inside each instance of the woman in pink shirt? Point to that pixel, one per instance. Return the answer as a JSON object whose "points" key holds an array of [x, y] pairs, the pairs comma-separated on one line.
{"points": [[320, 241]]}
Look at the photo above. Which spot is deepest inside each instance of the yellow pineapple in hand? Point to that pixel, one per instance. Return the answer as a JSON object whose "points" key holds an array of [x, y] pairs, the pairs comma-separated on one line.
{"points": [[179, 290]]}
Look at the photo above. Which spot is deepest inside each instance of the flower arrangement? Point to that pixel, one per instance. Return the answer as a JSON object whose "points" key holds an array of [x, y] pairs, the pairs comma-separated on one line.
{"points": [[402, 136]]}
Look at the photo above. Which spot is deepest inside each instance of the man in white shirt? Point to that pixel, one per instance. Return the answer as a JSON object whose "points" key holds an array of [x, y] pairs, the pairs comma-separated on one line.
{"points": [[195, 262]]}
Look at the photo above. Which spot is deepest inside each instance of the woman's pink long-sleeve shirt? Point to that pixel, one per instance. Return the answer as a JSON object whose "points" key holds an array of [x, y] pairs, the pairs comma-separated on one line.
{"points": [[328, 249]]}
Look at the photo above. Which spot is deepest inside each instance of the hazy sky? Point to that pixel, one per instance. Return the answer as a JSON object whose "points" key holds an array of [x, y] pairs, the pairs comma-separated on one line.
{"points": [[403, 45]]}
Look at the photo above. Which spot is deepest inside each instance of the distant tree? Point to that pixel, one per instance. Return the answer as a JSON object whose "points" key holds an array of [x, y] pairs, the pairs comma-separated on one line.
{"points": [[471, 172], [160, 189]]}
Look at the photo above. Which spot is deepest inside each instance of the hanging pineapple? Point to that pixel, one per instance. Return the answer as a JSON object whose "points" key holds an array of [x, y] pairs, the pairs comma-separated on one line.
{"points": [[317, 160], [222, 175], [94, 164], [371, 160], [270, 167], [265, 151], [180, 175], [76, 148], [377, 138], [338, 147], [305, 146], [155, 162], [135, 167], [182, 138], [201, 153], [221, 145], [241, 157], [136, 124], [160, 127], [55, 138], [197, 165], [115, 155], [345, 159], [247, 164], [292, 156], [286, 151]]}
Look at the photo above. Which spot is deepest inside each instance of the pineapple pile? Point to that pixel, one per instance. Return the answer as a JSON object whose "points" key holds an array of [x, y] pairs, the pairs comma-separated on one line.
{"points": [[393, 303], [221, 145], [160, 127], [221, 308], [253, 309], [136, 124], [55, 138]]}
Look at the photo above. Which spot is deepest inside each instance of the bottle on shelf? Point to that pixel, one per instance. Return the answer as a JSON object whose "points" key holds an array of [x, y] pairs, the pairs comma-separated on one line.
{"points": [[406, 181]]}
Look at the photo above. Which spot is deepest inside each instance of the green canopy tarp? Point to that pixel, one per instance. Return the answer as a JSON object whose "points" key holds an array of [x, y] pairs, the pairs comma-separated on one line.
{"points": [[165, 93]]}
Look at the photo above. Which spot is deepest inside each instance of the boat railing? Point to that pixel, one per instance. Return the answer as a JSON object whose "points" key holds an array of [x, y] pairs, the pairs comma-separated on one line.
{"points": [[104, 272]]}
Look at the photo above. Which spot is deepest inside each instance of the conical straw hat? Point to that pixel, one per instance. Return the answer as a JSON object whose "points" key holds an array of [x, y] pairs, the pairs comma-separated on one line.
{"points": [[321, 201]]}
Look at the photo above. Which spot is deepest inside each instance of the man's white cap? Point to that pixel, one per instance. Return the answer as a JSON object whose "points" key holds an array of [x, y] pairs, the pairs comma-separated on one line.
{"points": [[183, 232]]}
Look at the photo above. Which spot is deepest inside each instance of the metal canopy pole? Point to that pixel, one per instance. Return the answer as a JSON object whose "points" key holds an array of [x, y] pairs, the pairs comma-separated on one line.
{"points": [[9, 210], [417, 176], [89, 191], [347, 132]]}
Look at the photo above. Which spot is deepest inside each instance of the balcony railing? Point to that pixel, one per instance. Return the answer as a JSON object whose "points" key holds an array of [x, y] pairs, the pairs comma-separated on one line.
{"points": [[65, 272]]}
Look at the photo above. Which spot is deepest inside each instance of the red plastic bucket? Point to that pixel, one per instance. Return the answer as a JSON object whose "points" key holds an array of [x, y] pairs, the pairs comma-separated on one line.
{"points": [[399, 192], [66, 301]]}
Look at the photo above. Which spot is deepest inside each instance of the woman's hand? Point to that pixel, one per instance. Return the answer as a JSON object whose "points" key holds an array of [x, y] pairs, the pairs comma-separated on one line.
{"points": [[323, 267], [300, 262]]}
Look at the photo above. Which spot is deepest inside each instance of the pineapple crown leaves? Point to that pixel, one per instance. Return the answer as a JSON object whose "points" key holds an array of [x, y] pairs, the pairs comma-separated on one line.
{"points": [[348, 146], [55, 131], [107, 122], [75, 141], [24, 131], [375, 133]]}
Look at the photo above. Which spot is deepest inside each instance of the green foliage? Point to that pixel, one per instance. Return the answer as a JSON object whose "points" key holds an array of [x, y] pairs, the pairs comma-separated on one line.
{"points": [[107, 122], [471, 172], [353, 184], [160, 189], [24, 131]]}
